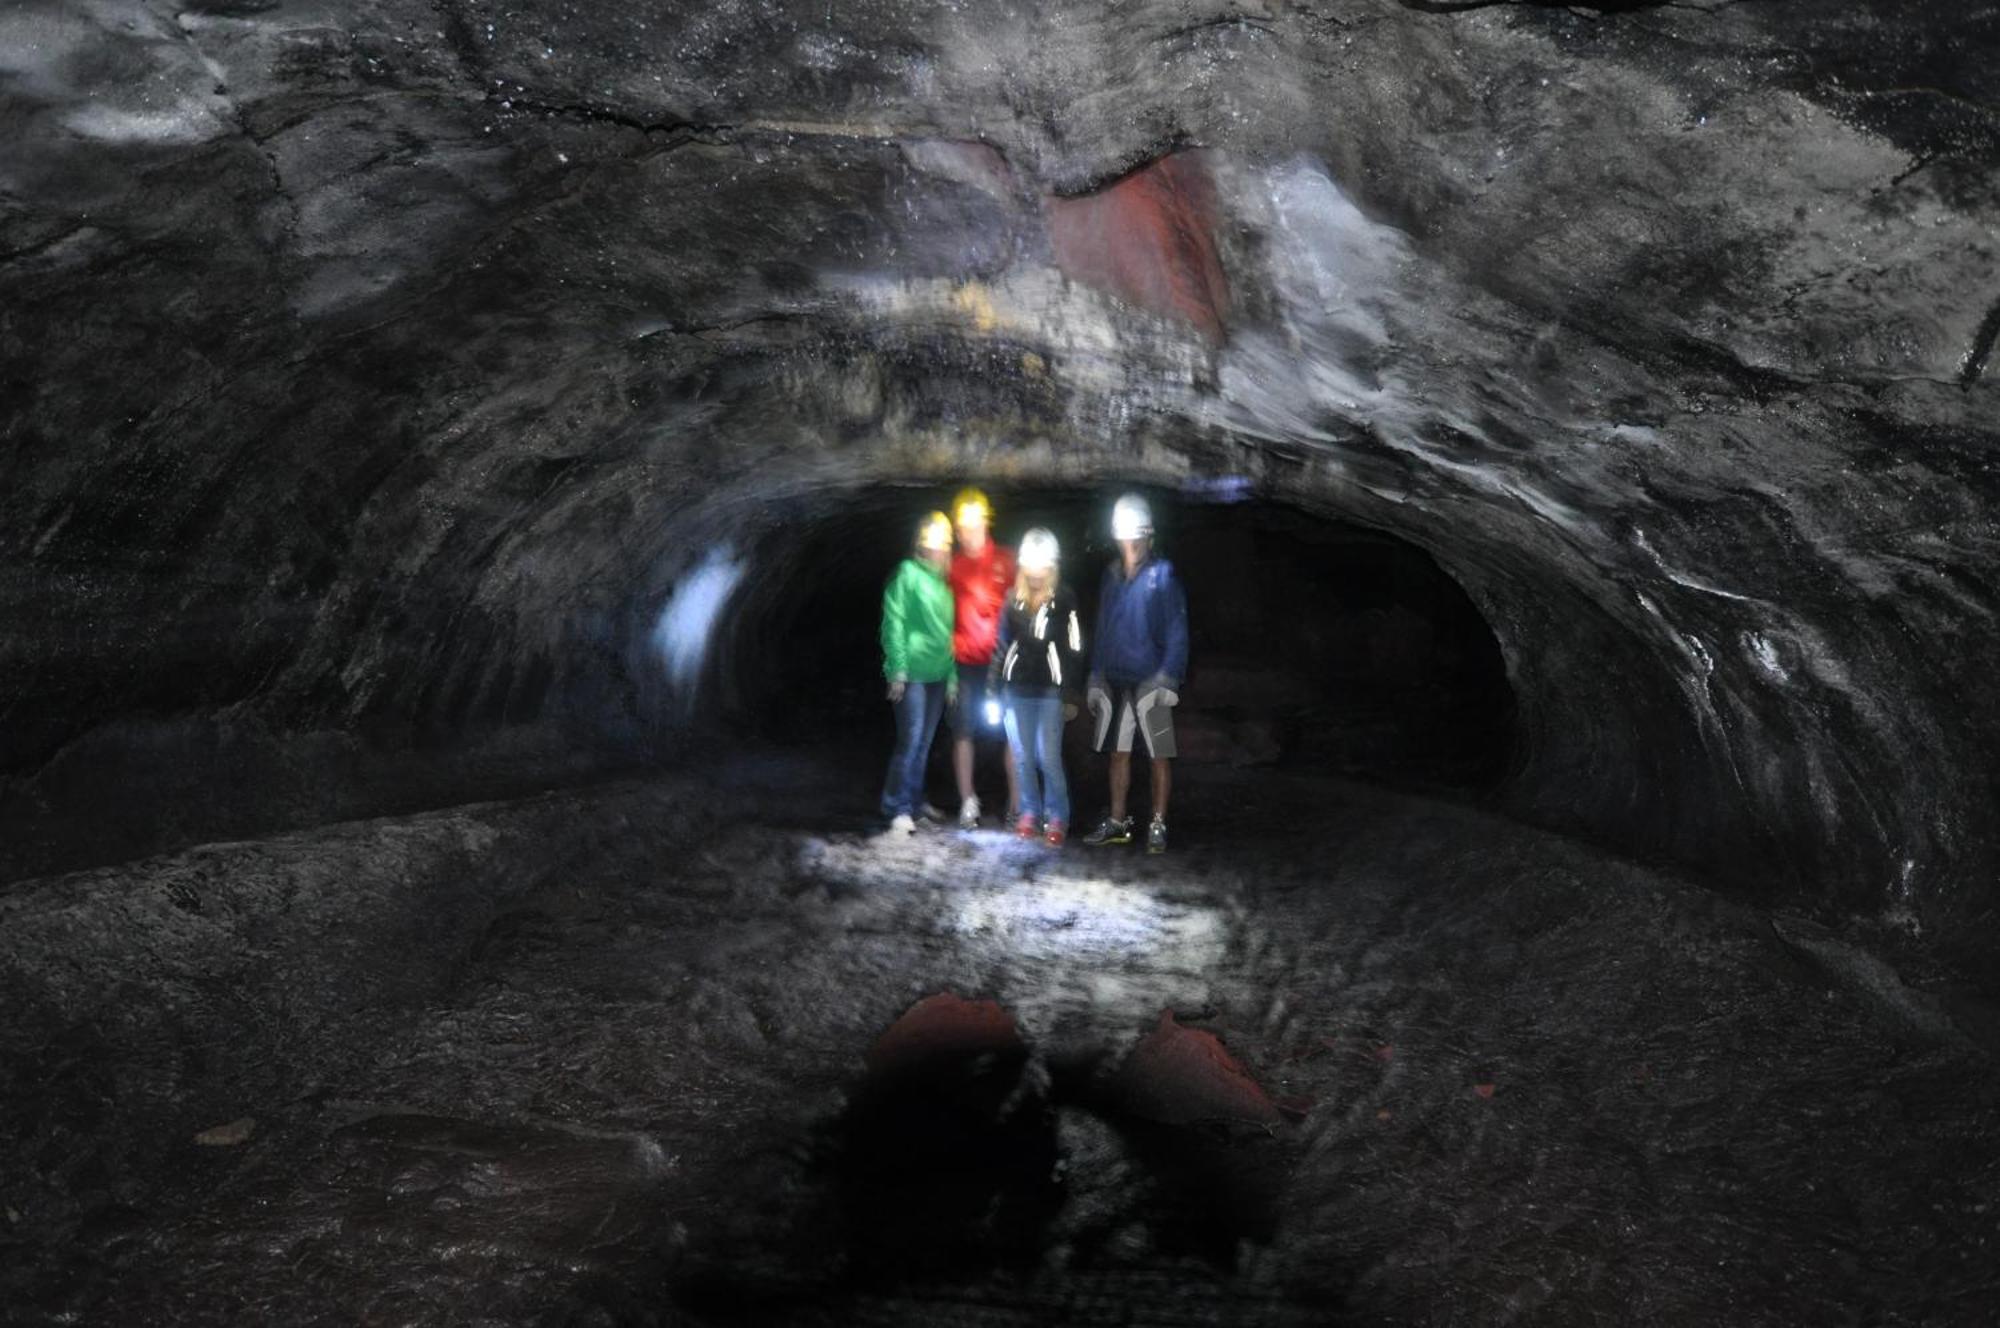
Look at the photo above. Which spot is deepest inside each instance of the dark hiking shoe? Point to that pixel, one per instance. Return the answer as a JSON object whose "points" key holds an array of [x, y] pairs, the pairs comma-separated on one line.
{"points": [[1156, 836], [1110, 833]]}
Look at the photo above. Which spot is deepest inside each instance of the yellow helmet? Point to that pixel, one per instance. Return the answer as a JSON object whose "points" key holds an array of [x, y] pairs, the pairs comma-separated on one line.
{"points": [[935, 532], [969, 504]]}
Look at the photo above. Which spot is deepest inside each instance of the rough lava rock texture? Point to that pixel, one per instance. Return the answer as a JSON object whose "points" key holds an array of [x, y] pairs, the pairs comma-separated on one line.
{"points": [[371, 373], [408, 406], [641, 1080]]}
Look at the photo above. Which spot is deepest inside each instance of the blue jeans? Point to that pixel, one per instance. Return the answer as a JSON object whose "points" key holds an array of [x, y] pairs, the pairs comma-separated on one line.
{"points": [[917, 716], [1035, 732]]}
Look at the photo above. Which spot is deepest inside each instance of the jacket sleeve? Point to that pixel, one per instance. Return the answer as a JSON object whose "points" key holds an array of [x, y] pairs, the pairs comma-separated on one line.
{"points": [[1070, 646], [1000, 641], [1174, 629], [895, 638]]}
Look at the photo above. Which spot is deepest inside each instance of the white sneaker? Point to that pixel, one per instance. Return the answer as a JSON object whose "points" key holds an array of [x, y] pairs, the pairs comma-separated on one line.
{"points": [[968, 814], [902, 825]]}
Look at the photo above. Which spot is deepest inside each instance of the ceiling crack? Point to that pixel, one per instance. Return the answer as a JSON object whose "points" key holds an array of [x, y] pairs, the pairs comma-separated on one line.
{"points": [[1220, 21], [1921, 160], [1601, 10], [240, 118], [1978, 107], [681, 130], [1981, 349]]}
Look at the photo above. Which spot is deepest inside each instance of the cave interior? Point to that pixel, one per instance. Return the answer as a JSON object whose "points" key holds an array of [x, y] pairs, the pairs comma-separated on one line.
{"points": [[453, 454]]}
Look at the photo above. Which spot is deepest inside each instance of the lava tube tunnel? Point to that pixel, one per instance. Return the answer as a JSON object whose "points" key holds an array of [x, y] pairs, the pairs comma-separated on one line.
{"points": [[1476, 523]]}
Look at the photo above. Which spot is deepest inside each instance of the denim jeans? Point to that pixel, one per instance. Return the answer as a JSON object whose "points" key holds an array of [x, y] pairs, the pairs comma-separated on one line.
{"points": [[917, 716], [1035, 732]]}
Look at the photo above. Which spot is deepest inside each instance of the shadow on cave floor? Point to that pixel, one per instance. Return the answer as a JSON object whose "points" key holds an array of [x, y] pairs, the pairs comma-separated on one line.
{"points": [[705, 1052]]}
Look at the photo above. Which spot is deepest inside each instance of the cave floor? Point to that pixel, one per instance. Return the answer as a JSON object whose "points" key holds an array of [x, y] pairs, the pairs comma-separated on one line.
{"points": [[1494, 1075]]}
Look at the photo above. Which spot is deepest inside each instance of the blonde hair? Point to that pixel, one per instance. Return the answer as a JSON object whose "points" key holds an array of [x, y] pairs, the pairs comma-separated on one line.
{"points": [[1024, 593]]}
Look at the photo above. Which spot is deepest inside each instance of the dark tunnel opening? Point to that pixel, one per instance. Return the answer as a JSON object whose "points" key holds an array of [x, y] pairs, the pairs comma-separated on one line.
{"points": [[1316, 645]]}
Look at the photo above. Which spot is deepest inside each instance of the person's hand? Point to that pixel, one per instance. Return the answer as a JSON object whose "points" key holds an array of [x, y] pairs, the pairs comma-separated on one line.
{"points": [[1099, 701], [1161, 689], [896, 688], [951, 691], [1069, 711]]}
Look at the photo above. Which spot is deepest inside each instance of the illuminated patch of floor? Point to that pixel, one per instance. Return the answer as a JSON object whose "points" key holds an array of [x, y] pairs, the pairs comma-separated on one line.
{"points": [[1104, 940]]}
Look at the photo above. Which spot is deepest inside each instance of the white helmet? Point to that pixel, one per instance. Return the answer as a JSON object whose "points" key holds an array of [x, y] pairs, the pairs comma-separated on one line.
{"points": [[1131, 518], [1038, 551]]}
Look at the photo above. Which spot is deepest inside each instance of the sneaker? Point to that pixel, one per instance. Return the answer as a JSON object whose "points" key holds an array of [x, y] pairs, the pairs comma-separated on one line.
{"points": [[1156, 836], [902, 824], [1025, 827], [968, 814], [1056, 834], [932, 814], [1110, 833]]}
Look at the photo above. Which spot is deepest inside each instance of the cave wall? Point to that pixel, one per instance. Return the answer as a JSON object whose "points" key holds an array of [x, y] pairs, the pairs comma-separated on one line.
{"points": [[373, 371]]}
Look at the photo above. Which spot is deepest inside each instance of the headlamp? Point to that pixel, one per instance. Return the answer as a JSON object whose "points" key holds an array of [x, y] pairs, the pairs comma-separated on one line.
{"points": [[1131, 518]]}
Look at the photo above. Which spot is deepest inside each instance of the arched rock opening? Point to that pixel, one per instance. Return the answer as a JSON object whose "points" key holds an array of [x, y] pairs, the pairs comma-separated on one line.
{"points": [[1317, 645]]}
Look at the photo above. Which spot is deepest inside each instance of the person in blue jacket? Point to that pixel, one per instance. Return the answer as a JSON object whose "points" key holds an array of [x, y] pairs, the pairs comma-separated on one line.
{"points": [[1141, 658]]}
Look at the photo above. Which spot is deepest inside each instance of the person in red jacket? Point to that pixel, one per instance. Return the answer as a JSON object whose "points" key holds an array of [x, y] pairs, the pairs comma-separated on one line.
{"points": [[982, 574]]}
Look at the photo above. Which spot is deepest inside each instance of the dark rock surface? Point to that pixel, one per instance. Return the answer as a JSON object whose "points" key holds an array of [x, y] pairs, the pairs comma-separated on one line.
{"points": [[707, 1070], [374, 370], [409, 403]]}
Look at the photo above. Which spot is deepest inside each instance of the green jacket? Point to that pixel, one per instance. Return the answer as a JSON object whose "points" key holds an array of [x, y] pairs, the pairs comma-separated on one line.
{"points": [[916, 624]]}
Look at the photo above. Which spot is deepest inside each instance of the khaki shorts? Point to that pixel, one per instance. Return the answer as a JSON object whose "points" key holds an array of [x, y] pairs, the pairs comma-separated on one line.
{"points": [[1118, 728]]}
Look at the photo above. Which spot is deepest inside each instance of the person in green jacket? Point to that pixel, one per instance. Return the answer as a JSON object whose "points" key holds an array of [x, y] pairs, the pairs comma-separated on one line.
{"points": [[917, 619]]}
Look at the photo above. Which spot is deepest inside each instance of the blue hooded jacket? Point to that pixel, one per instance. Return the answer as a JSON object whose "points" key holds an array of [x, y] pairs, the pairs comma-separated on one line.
{"points": [[1142, 628]]}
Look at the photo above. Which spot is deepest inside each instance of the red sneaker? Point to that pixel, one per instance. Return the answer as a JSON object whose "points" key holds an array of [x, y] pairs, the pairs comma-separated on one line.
{"points": [[1057, 832], [1025, 827]]}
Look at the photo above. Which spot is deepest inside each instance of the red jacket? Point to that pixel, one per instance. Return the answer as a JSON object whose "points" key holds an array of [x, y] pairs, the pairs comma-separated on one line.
{"points": [[979, 587]]}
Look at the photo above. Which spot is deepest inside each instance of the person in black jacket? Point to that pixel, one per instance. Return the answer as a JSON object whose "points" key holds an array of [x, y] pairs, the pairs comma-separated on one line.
{"points": [[1037, 670]]}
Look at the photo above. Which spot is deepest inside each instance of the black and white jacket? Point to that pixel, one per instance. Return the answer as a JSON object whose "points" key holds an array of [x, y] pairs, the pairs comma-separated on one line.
{"points": [[1040, 652]]}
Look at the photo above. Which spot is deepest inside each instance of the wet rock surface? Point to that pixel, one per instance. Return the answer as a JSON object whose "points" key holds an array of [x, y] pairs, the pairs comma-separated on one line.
{"points": [[719, 1069]]}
